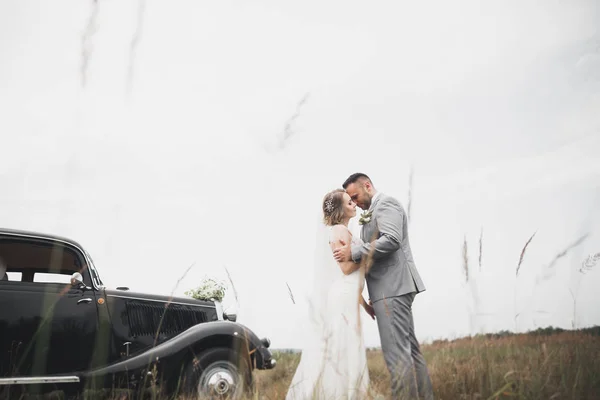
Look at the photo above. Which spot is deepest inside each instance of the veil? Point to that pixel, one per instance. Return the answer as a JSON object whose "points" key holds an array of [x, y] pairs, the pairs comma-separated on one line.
{"points": [[315, 330], [324, 268]]}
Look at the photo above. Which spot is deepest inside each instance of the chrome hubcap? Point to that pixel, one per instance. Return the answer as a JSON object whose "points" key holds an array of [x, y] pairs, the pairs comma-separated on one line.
{"points": [[221, 382], [217, 380]]}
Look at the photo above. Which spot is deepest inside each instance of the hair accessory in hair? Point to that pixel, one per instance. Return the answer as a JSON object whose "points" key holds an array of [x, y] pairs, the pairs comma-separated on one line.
{"points": [[329, 204]]}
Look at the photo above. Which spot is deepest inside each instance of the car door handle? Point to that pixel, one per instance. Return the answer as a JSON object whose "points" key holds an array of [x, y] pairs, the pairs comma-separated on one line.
{"points": [[86, 300]]}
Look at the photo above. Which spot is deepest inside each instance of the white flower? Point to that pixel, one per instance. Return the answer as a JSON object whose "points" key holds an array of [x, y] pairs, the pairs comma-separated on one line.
{"points": [[209, 290], [365, 217]]}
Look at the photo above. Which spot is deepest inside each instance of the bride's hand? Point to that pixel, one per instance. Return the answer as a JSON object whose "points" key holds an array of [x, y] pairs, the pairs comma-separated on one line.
{"points": [[370, 310]]}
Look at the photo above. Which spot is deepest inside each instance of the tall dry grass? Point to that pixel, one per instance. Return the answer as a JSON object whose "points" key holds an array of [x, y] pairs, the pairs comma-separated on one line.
{"points": [[537, 365], [524, 366]]}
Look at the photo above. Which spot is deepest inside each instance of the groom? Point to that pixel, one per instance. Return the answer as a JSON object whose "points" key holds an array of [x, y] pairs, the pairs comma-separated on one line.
{"points": [[393, 282]]}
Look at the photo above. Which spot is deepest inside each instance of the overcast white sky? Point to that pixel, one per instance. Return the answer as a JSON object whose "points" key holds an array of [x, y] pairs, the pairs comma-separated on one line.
{"points": [[496, 105]]}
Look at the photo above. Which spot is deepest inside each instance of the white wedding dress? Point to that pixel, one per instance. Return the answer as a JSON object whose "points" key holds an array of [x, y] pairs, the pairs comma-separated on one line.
{"points": [[333, 363]]}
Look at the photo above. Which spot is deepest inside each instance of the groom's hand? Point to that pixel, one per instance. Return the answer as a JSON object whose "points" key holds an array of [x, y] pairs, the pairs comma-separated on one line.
{"points": [[343, 253]]}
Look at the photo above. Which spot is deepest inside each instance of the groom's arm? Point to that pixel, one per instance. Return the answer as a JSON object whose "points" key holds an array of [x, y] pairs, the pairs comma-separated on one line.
{"points": [[390, 222]]}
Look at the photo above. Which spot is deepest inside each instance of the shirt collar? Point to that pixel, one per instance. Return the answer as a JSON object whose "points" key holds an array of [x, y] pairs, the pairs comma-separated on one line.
{"points": [[373, 201]]}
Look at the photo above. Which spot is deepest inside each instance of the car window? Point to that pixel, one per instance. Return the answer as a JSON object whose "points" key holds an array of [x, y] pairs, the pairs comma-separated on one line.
{"points": [[47, 277], [41, 261]]}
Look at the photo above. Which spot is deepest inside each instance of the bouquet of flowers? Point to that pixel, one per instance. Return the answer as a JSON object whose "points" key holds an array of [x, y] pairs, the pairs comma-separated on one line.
{"points": [[209, 290]]}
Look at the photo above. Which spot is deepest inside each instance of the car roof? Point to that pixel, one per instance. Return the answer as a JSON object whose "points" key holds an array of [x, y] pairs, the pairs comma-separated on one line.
{"points": [[19, 232]]}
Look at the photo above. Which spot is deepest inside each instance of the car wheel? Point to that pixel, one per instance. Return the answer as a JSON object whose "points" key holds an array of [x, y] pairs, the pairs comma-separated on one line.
{"points": [[218, 373]]}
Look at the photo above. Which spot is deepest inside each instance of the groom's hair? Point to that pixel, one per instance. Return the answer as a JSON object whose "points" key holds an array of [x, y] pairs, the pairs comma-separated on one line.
{"points": [[357, 177]]}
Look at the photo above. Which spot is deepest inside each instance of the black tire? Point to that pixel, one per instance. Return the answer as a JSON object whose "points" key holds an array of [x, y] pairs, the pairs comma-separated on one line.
{"points": [[217, 373]]}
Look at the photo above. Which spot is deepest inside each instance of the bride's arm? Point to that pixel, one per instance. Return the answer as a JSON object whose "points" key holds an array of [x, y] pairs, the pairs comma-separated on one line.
{"points": [[341, 235]]}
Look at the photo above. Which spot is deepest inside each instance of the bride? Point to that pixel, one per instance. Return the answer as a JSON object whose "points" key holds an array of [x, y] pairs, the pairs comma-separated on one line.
{"points": [[333, 363]]}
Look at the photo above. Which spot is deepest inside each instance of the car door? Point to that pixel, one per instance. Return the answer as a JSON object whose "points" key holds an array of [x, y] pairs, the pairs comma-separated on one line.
{"points": [[47, 325], [51, 327]]}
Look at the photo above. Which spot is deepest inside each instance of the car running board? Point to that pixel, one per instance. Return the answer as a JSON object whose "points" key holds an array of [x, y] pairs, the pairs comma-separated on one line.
{"points": [[34, 380]]}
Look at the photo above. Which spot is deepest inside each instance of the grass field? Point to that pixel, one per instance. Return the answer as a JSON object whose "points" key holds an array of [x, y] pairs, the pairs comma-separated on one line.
{"points": [[538, 365], [545, 364]]}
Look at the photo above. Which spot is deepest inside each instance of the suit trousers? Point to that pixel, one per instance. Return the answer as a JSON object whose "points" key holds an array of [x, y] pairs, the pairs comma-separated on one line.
{"points": [[408, 371]]}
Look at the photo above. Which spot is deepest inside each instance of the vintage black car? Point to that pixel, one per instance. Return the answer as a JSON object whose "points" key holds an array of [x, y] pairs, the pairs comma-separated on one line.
{"points": [[62, 329]]}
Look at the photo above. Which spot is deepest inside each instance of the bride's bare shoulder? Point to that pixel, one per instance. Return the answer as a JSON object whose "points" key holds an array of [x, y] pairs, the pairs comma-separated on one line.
{"points": [[340, 231], [340, 227]]}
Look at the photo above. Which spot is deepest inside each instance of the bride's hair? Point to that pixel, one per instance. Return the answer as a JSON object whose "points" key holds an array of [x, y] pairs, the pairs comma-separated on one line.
{"points": [[333, 212]]}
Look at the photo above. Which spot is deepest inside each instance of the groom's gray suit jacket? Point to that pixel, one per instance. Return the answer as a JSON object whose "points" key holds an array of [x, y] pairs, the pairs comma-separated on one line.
{"points": [[391, 271]]}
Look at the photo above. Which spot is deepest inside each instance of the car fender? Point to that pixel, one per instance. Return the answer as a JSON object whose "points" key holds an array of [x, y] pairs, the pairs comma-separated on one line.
{"points": [[170, 355]]}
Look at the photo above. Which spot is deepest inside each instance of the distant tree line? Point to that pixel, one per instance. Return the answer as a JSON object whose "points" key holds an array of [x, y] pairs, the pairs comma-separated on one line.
{"points": [[548, 331]]}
